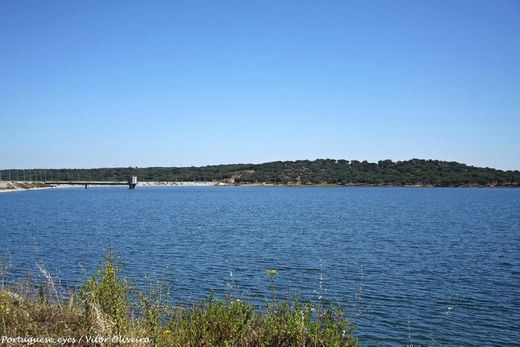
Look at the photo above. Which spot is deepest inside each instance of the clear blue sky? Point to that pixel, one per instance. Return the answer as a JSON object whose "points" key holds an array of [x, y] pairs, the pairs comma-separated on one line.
{"points": [[180, 83]]}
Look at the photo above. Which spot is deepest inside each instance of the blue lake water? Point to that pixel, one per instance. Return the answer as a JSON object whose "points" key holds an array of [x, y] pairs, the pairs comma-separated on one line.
{"points": [[422, 265]]}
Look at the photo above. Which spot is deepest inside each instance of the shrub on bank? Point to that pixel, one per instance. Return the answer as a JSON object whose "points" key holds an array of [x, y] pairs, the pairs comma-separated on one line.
{"points": [[103, 308]]}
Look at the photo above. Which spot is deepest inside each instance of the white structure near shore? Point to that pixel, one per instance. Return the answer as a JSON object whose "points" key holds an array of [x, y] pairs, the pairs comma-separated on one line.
{"points": [[15, 186], [173, 184]]}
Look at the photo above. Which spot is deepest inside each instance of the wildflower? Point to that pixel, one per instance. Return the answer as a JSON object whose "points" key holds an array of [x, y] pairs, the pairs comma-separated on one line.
{"points": [[271, 272], [167, 332]]}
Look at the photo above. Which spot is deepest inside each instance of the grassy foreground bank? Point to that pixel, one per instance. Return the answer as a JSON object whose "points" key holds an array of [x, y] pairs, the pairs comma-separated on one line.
{"points": [[107, 311]]}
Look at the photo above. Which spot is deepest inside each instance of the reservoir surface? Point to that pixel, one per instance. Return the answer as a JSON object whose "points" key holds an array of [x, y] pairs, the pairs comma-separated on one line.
{"points": [[428, 266]]}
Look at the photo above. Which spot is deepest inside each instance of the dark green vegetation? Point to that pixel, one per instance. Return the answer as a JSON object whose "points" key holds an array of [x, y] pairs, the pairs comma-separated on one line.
{"points": [[321, 171], [107, 307]]}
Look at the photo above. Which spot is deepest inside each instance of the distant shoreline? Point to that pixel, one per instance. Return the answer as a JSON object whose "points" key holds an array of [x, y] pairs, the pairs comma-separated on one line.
{"points": [[11, 186], [319, 172]]}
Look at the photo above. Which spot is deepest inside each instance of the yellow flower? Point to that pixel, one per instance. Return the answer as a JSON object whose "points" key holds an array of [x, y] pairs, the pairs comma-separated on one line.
{"points": [[167, 332], [271, 272]]}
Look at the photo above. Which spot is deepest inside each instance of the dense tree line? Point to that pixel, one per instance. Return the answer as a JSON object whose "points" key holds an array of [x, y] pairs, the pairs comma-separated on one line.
{"points": [[385, 172], [321, 171]]}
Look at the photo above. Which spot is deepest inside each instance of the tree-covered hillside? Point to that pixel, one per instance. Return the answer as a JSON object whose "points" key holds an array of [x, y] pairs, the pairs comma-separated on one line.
{"points": [[321, 171], [410, 172]]}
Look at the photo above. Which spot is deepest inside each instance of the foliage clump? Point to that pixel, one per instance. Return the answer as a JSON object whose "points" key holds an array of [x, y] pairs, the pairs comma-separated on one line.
{"points": [[105, 299], [103, 306]]}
